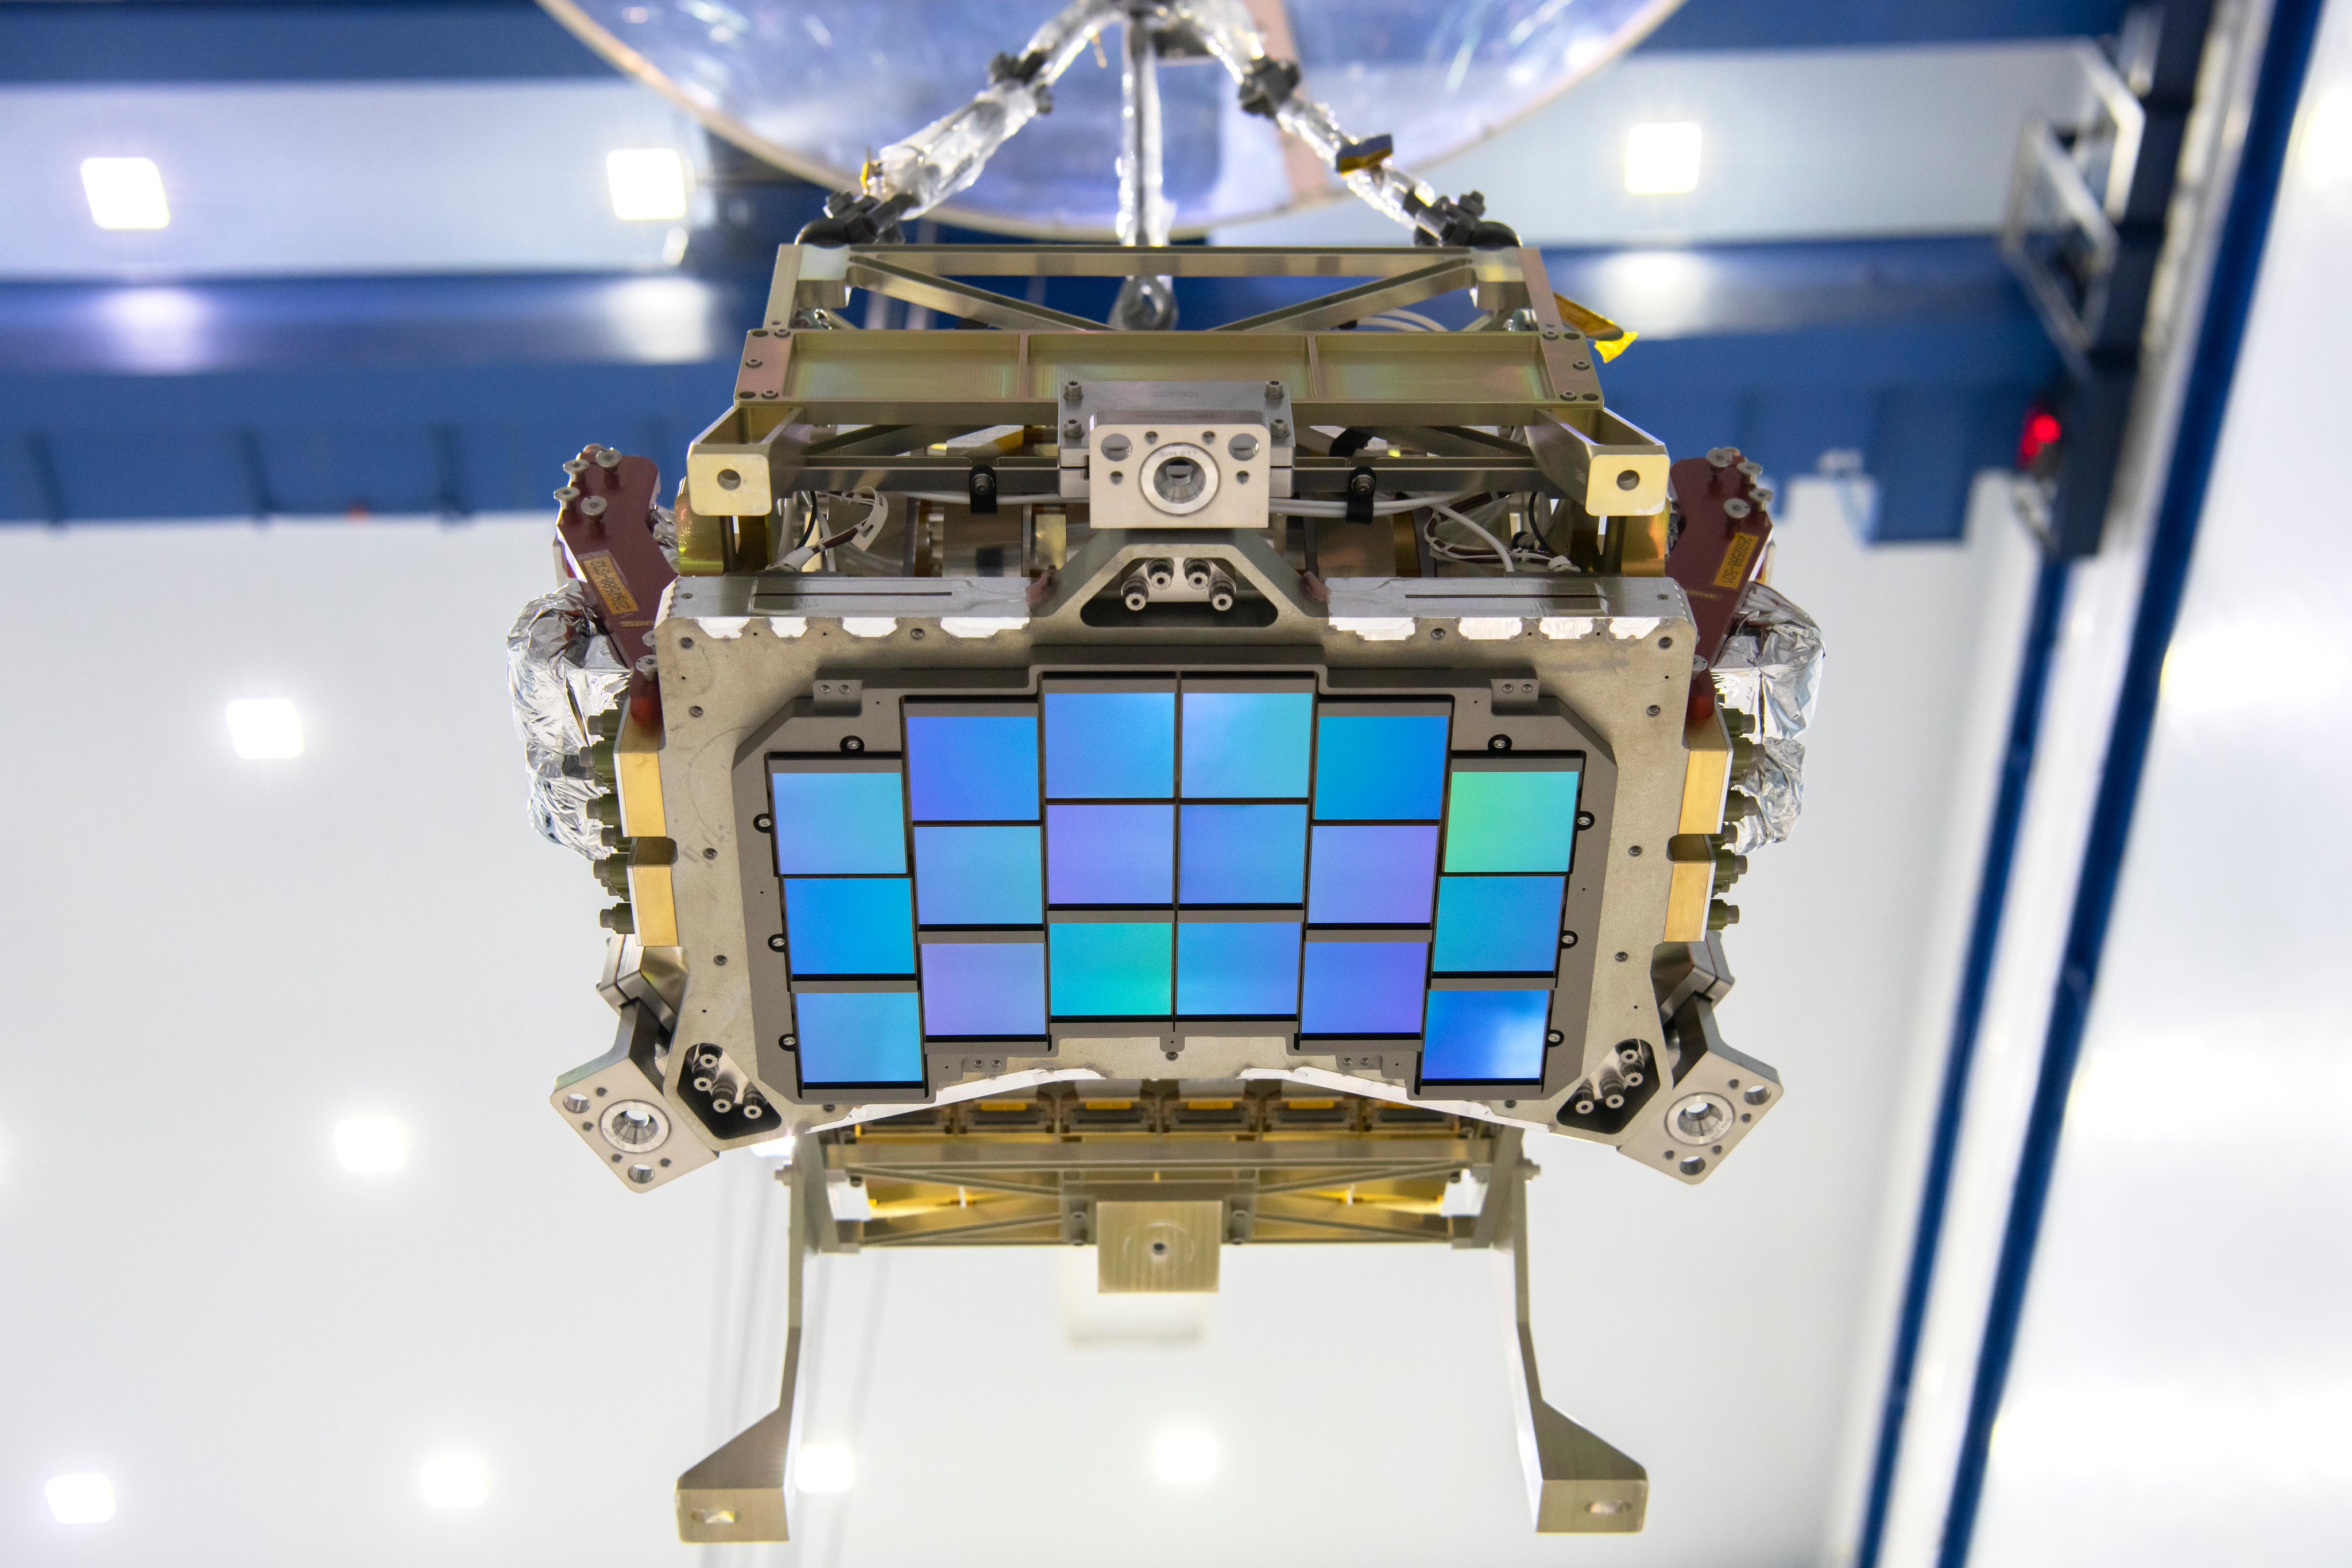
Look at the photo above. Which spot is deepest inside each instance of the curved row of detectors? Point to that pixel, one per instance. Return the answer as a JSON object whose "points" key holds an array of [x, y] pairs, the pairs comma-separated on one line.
{"points": [[1133, 850]]}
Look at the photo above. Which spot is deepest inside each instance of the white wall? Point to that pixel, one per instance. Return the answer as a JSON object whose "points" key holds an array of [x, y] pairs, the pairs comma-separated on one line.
{"points": [[217, 958], [2179, 1384]]}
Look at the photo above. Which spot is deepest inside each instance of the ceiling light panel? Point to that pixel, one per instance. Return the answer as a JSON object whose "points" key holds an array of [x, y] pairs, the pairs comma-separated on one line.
{"points": [[371, 1145], [647, 184], [81, 1499], [265, 728], [125, 193], [1661, 159]]}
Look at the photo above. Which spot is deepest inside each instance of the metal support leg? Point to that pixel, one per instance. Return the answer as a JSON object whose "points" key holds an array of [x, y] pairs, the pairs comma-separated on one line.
{"points": [[738, 1493], [1144, 304], [1577, 1484]]}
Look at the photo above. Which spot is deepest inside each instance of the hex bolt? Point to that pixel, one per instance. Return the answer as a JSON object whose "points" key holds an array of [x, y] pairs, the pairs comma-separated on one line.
{"points": [[1073, 393], [1073, 431], [1221, 591], [1361, 483], [1273, 392]]}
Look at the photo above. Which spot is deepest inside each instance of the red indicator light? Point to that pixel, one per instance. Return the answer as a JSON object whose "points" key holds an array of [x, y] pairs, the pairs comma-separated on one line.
{"points": [[2042, 430]]}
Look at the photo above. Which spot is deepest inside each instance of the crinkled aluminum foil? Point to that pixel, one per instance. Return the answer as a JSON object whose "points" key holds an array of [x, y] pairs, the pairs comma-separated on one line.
{"points": [[1770, 671], [561, 674], [664, 527]]}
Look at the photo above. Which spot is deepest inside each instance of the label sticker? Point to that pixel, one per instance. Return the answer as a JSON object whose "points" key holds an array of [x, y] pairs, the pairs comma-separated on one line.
{"points": [[1737, 550], [605, 578]]}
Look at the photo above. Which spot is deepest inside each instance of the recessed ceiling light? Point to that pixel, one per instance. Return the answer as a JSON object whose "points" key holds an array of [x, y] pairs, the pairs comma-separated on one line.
{"points": [[85, 1498], [824, 1467], [1184, 1457], [265, 728], [125, 193], [455, 1480], [1661, 159], [371, 1145], [648, 185]]}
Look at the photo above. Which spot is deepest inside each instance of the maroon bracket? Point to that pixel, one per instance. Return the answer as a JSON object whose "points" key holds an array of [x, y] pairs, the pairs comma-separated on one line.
{"points": [[1721, 547], [608, 544]]}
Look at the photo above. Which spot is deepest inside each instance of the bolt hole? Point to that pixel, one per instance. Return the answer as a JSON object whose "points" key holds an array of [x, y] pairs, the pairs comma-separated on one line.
{"points": [[575, 1103], [729, 480]]}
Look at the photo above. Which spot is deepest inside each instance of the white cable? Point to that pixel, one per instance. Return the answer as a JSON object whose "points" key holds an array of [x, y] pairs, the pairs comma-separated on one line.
{"points": [[1500, 553]]}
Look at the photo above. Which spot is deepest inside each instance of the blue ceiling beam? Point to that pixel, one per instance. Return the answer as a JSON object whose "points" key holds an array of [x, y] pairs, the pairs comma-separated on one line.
{"points": [[456, 395]]}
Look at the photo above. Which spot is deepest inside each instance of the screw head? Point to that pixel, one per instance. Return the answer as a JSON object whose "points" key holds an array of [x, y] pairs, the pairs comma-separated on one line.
{"points": [[764, 823], [694, 712], [1273, 392], [710, 854], [852, 743], [1584, 819], [1072, 393], [776, 945]]}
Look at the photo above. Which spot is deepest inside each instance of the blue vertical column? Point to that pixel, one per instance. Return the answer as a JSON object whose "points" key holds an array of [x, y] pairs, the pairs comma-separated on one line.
{"points": [[973, 804], [849, 931], [1110, 848], [1510, 833], [1247, 765], [1379, 794]]}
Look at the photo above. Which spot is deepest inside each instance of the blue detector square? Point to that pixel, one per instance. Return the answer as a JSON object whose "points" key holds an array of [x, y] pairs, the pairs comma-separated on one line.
{"points": [[1111, 968], [1238, 968], [1512, 822], [859, 1037], [839, 824], [976, 989], [1498, 924], [853, 925], [1110, 855], [1110, 746], [973, 767], [1247, 744], [977, 876], [1484, 1036], [1362, 988], [1371, 875], [1379, 766], [1242, 854]]}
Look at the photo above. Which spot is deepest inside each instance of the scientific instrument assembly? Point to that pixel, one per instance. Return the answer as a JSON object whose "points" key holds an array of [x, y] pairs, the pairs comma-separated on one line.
{"points": [[1163, 788]]}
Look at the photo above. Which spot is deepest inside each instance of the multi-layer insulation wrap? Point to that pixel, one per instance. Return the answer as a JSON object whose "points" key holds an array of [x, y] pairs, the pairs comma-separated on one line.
{"points": [[561, 671], [1771, 672]]}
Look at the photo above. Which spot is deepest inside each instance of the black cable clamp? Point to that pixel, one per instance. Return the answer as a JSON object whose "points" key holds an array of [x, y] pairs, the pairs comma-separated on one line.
{"points": [[1360, 484], [981, 486]]}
